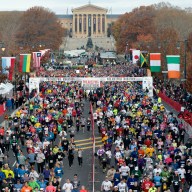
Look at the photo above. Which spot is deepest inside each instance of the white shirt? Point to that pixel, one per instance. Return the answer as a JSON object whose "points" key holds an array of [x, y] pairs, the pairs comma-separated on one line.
{"points": [[67, 187], [118, 155], [157, 170], [109, 154], [122, 187], [118, 142], [124, 170], [95, 116], [34, 174], [45, 144], [182, 172], [106, 185]]}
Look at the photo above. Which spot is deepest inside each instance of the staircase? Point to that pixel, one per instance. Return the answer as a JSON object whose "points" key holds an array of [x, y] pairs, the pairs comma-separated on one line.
{"points": [[107, 43]]}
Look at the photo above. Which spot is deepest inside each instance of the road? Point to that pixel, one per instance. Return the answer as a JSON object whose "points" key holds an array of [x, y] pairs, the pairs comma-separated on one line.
{"points": [[84, 141]]}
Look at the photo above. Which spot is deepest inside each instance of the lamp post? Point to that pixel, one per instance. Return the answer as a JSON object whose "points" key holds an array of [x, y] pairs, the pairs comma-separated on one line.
{"points": [[164, 72], [2, 49], [2, 46], [185, 57], [126, 52]]}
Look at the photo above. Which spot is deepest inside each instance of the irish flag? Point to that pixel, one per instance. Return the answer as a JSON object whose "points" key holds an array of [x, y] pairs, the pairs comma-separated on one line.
{"points": [[25, 62], [173, 64], [155, 62]]}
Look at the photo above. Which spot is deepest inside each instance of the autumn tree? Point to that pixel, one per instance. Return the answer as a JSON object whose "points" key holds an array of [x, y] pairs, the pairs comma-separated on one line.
{"points": [[40, 26]]}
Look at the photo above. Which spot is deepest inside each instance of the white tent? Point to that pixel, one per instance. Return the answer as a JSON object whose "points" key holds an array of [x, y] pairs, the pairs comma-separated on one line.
{"points": [[6, 90]]}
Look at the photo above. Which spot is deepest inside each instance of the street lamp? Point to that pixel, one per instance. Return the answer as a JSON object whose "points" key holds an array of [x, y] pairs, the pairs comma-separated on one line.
{"points": [[185, 56], [126, 52], [2, 46], [165, 71]]}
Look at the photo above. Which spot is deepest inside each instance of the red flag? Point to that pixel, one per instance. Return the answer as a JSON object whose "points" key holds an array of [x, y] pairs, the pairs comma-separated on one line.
{"points": [[36, 59], [10, 77]]}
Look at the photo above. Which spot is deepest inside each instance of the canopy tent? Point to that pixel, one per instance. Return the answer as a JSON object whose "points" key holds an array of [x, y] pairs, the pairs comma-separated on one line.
{"points": [[6, 90], [108, 55]]}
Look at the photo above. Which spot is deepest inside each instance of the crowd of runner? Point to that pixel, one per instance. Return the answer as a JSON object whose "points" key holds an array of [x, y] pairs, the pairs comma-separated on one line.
{"points": [[143, 144], [39, 137], [175, 91], [144, 147], [120, 70]]}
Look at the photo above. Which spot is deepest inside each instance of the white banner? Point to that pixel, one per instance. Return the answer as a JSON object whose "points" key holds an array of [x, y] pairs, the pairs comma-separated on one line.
{"points": [[147, 82]]}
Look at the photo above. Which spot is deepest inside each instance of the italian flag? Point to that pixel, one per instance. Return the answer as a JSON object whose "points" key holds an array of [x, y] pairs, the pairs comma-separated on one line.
{"points": [[155, 62], [173, 64], [25, 62]]}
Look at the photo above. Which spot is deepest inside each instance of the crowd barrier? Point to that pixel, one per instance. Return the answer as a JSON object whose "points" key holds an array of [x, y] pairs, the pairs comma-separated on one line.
{"points": [[2, 109], [187, 122], [93, 150], [170, 102]]}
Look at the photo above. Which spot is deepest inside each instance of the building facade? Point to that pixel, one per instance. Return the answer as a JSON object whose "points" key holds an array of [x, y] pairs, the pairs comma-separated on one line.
{"points": [[88, 21]]}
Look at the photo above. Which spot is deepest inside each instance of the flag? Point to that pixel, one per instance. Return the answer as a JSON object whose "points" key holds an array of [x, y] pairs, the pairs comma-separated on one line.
{"points": [[36, 59], [131, 54], [136, 56], [43, 51], [144, 58], [25, 62], [8, 64], [173, 65], [155, 62]]}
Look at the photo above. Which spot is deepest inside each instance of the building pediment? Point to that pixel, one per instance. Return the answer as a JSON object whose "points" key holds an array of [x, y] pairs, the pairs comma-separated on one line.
{"points": [[89, 8]]}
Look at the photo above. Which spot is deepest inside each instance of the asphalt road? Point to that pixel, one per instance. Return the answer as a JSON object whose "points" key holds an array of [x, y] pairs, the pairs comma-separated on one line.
{"points": [[83, 140]]}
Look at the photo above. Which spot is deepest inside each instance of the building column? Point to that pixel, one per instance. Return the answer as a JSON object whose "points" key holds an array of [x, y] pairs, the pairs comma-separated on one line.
{"points": [[96, 24], [82, 24], [78, 24], [101, 19], [87, 24], [73, 25], [105, 25], [92, 24]]}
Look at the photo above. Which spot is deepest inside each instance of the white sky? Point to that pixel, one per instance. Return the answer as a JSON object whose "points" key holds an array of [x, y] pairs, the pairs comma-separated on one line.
{"points": [[60, 6]]}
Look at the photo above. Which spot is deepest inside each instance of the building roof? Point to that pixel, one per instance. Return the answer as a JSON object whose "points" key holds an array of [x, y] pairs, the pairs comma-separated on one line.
{"points": [[65, 16], [108, 55], [113, 16], [89, 7]]}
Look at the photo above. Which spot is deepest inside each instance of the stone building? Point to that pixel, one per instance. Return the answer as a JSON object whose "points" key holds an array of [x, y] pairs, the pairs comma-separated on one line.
{"points": [[88, 21]]}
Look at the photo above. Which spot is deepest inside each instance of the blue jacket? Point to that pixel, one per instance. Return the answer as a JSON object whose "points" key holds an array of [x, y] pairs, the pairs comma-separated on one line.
{"points": [[116, 179], [58, 172], [157, 181], [42, 184], [17, 186], [130, 182], [2, 176], [21, 172]]}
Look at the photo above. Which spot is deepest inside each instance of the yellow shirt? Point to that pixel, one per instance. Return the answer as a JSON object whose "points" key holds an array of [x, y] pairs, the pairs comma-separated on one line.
{"points": [[139, 113], [7, 172], [55, 150], [18, 113], [149, 151]]}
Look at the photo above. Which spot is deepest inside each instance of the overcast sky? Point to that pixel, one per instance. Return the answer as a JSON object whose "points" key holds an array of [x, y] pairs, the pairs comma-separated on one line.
{"points": [[61, 6]]}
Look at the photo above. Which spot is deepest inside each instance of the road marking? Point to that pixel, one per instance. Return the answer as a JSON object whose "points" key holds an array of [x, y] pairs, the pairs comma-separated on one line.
{"points": [[89, 147], [88, 143], [14, 163], [90, 139]]}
